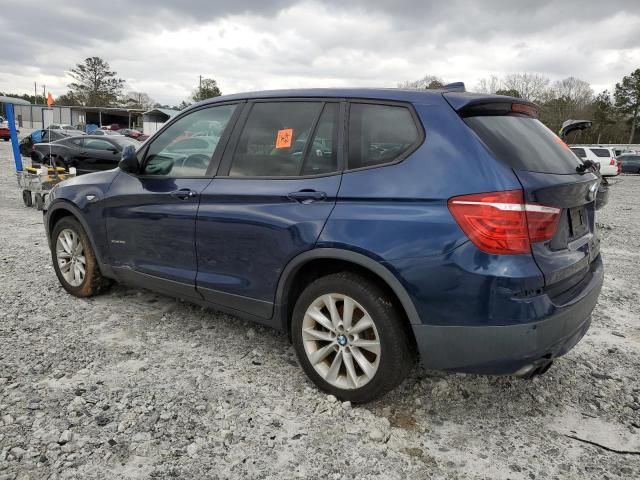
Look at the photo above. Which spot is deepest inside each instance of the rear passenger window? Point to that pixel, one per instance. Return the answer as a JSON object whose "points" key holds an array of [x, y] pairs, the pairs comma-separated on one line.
{"points": [[275, 140], [379, 134], [97, 144], [601, 152]]}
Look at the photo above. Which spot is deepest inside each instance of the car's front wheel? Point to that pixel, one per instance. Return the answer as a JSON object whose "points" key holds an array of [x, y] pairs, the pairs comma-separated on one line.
{"points": [[74, 262], [350, 338]]}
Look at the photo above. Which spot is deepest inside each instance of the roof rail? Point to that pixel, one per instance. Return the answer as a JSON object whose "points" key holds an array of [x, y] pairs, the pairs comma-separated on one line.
{"points": [[454, 87]]}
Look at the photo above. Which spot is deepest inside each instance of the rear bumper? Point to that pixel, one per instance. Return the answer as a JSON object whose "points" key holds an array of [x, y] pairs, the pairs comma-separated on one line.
{"points": [[506, 349]]}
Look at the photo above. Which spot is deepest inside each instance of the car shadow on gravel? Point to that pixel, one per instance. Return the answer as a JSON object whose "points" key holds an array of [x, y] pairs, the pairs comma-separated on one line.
{"points": [[263, 355]]}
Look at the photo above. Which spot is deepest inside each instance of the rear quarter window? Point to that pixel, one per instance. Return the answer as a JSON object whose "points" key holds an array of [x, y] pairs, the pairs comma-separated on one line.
{"points": [[380, 134], [524, 143], [601, 152]]}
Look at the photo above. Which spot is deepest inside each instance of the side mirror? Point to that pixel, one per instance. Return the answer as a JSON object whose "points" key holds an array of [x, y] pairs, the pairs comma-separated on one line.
{"points": [[129, 161]]}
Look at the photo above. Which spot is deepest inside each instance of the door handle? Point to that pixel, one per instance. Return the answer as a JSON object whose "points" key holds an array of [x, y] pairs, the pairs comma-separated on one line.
{"points": [[184, 194], [307, 196]]}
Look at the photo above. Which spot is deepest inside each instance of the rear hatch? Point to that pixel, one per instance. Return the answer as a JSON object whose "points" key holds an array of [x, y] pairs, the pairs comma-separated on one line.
{"points": [[551, 176]]}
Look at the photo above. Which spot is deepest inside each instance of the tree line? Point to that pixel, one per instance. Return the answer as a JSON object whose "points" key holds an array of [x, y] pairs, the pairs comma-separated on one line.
{"points": [[615, 116], [96, 85]]}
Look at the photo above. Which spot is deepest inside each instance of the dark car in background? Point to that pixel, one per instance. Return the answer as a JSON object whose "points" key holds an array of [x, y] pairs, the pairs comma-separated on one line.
{"points": [[88, 153], [103, 132], [630, 163], [369, 224], [46, 136]]}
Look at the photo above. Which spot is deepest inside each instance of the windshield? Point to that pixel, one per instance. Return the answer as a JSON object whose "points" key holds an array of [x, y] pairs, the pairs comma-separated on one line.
{"points": [[524, 143]]}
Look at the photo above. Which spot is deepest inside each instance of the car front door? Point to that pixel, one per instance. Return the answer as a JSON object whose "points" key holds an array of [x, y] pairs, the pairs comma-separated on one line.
{"points": [[151, 216], [274, 191]]}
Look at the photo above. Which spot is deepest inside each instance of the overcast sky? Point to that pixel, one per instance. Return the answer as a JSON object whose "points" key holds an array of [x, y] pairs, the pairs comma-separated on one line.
{"points": [[261, 44]]}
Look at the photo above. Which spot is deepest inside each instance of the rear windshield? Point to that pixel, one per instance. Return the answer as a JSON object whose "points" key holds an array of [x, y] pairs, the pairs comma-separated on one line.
{"points": [[601, 152], [524, 143]]}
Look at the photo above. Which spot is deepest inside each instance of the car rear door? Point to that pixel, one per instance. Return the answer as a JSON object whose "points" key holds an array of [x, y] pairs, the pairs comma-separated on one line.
{"points": [[274, 191], [151, 216], [550, 176]]}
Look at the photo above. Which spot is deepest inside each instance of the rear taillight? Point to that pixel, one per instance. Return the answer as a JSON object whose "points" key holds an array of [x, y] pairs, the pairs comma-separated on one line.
{"points": [[612, 161], [502, 223], [619, 166]]}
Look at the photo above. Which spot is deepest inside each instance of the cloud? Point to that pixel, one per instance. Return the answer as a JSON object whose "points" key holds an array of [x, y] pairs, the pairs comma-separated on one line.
{"points": [[249, 45]]}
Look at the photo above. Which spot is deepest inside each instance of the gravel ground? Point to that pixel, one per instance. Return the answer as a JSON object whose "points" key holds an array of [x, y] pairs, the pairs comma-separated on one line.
{"points": [[131, 384]]}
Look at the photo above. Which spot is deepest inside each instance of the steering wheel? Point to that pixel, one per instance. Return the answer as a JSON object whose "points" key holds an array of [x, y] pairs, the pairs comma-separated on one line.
{"points": [[196, 160]]}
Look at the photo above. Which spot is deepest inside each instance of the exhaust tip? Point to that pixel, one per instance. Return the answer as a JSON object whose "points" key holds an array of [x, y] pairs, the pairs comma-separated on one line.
{"points": [[525, 371], [534, 369]]}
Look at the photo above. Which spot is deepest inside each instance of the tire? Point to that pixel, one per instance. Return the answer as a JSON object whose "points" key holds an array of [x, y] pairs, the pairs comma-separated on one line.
{"points": [[92, 282], [39, 201], [387, 364], [6, 139], [26, 198]]}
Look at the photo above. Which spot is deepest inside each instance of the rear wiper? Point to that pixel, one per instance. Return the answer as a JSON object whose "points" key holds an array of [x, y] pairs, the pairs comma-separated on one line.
{"points": [[585, 165]]}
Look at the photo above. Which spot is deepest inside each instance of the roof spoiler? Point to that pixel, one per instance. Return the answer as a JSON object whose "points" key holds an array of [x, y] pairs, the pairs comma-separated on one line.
{"points": [[470, 104], [454, 87]]}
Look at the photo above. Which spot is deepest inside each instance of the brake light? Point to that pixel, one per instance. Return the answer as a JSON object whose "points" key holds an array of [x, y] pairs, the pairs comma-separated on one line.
{"points": [[525, 109], [619, 166], [502, 223], [612, 161]]}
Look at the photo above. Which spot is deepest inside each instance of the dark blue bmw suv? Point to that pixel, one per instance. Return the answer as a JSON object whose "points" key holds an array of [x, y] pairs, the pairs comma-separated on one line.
{"points": [[372, 225]]}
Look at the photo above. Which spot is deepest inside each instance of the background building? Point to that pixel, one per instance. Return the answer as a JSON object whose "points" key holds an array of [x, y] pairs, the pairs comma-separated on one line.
{"points": [[32, 116], [153, 119]]}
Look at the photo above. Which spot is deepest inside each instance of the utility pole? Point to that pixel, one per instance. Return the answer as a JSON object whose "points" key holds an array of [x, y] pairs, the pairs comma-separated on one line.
{"points": [[44, 93], [35, 93]]}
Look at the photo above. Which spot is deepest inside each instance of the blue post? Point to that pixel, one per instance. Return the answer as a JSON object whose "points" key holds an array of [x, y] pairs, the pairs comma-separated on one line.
{"points": [[14, 136]]}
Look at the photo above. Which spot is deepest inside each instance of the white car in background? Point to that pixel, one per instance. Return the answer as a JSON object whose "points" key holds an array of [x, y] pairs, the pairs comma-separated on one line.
{"points": [[604, 156]]}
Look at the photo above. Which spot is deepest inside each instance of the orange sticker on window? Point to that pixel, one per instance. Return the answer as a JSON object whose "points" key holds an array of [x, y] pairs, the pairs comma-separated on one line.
{"points": [[284, 138]]}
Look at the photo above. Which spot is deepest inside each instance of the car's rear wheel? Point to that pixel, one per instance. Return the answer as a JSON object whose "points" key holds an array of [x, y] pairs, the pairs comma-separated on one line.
{"points": [[74, 261], [350, 338]]}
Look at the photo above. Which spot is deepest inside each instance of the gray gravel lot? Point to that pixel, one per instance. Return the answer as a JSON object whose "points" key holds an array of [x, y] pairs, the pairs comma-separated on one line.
{"points": [[131, 384]]}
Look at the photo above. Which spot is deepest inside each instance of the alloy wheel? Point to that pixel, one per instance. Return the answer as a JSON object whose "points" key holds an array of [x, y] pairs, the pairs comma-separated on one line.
{"points": [[341, 341], [70, 256]]}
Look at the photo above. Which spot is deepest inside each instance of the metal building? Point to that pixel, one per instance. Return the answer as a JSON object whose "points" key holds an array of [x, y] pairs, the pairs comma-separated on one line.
{"points": [[33, 116], [153, 119]]}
